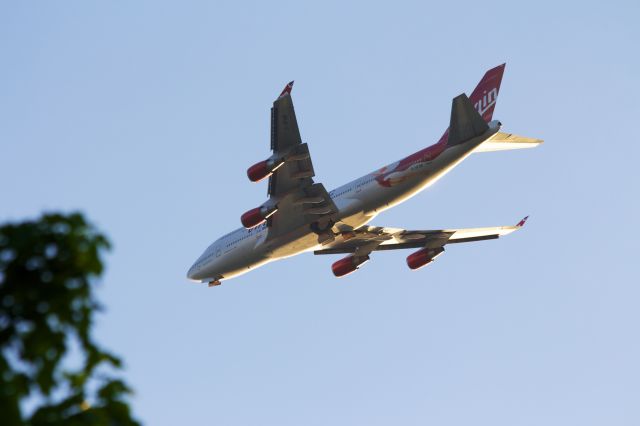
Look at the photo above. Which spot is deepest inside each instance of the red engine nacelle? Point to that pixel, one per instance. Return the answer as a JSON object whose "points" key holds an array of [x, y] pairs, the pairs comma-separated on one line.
{"points": [[255, 217], [263, 169], [258, 171], [347, 265], [423, 257]]}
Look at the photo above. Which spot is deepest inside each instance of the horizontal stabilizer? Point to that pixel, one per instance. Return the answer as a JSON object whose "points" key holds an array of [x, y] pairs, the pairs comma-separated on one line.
{"points": [[505, 141], [466, 123]]}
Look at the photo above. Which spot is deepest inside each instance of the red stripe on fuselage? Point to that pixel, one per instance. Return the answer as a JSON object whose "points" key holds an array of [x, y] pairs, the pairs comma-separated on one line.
{"points": [[422, 156]]}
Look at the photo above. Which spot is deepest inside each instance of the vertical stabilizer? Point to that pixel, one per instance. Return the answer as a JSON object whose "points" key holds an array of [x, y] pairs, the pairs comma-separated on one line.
{"points": [[466, 123], [484, 96]]}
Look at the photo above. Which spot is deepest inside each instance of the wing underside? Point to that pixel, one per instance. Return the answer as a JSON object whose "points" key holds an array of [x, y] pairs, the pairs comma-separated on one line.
{"points": [[299, 200], [286, 142], [372, 238]]}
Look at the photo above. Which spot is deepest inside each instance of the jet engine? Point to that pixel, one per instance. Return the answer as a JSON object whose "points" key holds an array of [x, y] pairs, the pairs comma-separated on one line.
{"points": [[423, 257], [255, 217], [263, 169], [347, 265]]}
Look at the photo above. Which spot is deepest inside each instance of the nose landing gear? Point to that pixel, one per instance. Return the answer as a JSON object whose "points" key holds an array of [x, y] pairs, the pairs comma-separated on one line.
{"points": [[216, 281]]}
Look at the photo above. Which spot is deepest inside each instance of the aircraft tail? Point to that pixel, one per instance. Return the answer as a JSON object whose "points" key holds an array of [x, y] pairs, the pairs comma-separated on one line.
{"points": [[483, 100], [484, 96], [465, 122]]}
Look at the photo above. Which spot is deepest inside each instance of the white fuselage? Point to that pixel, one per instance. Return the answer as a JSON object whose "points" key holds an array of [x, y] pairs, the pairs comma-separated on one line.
{"points": [[358, 202]]}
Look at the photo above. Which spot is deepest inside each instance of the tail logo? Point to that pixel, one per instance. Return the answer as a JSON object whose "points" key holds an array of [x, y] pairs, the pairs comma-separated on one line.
{"points": [[488, 100]]}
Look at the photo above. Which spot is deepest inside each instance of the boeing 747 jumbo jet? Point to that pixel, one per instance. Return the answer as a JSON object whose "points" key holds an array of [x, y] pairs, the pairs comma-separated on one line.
{"points": [[300, 215]]}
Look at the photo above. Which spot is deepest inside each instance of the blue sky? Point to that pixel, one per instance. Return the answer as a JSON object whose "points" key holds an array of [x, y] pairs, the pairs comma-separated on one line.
{"points": [[145, 115]]}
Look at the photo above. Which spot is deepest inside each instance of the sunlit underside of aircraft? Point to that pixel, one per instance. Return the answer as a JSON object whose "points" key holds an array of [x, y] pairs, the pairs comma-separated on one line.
{"points": [[300, 215]]}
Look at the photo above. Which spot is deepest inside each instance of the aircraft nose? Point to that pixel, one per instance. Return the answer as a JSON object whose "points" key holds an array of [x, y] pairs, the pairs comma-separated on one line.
{"points": [[192, 273]]}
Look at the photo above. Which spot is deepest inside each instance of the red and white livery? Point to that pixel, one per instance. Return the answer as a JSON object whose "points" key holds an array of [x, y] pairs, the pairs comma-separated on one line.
{"points": [[300, 215]]}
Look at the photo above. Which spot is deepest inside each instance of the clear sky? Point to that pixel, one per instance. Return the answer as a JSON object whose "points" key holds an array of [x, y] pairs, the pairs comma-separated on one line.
{"points": [[146, 114]]}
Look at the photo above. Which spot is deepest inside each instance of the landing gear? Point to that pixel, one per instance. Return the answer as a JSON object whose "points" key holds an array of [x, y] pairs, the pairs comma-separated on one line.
{"points": [[347, 235], [326, 238], [325, 234]]}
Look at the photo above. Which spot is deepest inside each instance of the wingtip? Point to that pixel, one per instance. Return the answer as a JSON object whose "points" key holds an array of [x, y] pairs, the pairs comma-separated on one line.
{"points": [[287, 89], [522, 222]]}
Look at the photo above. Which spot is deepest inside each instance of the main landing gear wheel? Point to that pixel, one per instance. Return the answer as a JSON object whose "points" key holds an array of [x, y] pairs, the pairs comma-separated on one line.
{"points": [[325, 234]]}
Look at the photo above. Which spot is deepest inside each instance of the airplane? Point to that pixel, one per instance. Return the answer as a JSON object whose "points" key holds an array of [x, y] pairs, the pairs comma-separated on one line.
{"points": [[300, 215]]}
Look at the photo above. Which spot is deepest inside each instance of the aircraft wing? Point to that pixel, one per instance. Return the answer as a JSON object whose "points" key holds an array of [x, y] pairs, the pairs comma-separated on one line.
{"points": [[366, 239], [297, 169], [291, 186]]}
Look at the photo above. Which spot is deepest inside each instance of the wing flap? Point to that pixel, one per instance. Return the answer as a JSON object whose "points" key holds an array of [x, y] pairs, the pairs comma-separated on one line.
{"points": [[302, 206], [297, 171]]}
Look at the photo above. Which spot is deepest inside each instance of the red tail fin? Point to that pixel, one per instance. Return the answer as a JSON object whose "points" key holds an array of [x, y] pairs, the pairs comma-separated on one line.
{"points": [[485, 95]]}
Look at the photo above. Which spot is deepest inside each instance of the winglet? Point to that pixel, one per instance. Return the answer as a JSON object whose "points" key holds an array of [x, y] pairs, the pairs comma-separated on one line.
{"points": [[286, 90], [522, 222]]}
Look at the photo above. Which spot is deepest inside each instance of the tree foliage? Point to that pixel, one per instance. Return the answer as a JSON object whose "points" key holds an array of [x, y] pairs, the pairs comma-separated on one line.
{"points": [[48, 268]]}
